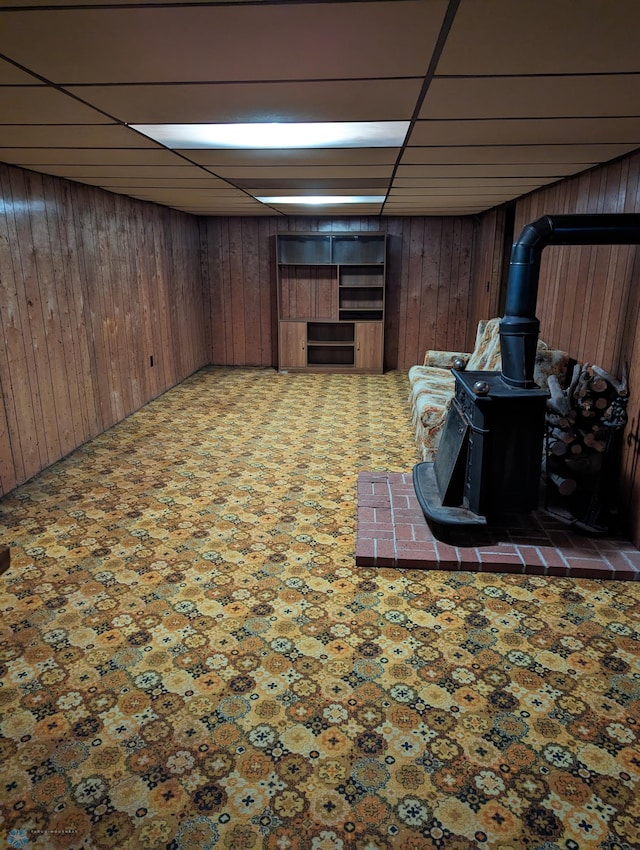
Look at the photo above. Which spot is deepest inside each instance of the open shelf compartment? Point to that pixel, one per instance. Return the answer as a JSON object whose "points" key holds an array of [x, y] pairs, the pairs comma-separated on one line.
{"points": [[330, 333]]}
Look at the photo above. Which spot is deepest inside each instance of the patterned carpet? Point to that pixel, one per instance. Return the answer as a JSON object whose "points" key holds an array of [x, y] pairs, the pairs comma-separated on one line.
{"points": [[191, 659]]}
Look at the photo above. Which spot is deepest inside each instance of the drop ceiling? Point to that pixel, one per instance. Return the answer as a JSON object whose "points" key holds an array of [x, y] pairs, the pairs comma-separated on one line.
{"points": [[501, 97]]}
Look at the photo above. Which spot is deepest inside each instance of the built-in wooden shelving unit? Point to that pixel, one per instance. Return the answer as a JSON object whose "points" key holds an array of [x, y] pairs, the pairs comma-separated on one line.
{"points": [[331, 300]]}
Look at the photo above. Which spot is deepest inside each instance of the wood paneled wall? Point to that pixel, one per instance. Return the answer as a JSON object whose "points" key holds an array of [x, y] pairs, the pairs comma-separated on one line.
{"points": [[589, 296], [488, 268], [92, 285], [428, 284]]}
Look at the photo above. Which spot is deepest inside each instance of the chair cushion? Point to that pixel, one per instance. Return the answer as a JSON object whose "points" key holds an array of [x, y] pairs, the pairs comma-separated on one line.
{"points": [[431, 396], [486, 355]]}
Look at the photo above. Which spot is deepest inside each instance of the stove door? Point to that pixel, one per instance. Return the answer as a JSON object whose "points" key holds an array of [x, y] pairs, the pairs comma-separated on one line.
{"points": [[451, 459]]}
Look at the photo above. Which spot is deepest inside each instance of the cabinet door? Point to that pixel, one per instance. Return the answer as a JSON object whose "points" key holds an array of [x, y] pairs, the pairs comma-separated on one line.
{"points": [[369, 346], [293, 345]]}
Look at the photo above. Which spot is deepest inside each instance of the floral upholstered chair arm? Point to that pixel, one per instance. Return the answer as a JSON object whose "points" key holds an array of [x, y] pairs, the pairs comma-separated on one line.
{"points": [[445, 359]]}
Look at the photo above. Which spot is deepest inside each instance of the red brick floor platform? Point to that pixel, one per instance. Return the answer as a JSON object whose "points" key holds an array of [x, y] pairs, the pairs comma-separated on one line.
{"points": [[393, 532]]}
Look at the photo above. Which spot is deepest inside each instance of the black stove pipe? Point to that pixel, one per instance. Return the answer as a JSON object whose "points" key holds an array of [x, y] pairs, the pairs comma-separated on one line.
{"points": [[519, 327]]}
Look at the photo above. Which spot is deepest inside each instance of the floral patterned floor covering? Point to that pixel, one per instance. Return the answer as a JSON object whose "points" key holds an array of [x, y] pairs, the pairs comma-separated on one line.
{"points": [[189, 657]]}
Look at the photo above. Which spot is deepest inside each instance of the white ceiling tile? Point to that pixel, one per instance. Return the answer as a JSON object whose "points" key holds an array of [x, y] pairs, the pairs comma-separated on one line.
{"points": [[451, 191], [584, 155], [132, 172], [183, 196], [72, 136], [555, 170], [431, 202], [164, 183], [90, 156], [543, 131], [335, 100], [427, 210], [550, 37], [44, 105], [525, 183], [533, 97], [301, 171], [222, 42], [10, 75]]}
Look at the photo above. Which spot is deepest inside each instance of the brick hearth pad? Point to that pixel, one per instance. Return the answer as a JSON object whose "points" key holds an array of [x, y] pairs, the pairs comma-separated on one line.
{"points": [[393, 532]]}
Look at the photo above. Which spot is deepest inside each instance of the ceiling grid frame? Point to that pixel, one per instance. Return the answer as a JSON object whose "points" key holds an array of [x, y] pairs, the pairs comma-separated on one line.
{"points": [[498, 104]]}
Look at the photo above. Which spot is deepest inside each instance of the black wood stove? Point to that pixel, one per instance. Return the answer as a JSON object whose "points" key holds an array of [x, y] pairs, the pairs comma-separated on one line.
{"points": [[490, 454], [489, 460]]}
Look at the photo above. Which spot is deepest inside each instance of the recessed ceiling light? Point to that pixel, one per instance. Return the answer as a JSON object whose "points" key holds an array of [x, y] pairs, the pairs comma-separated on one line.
{"points": [[319, 200], [335, 134]]}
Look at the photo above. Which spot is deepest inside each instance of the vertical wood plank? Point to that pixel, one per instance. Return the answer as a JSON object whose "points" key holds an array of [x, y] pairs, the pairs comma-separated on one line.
{"points": [[44, 440], [251, 284], [439, 307], [266, 282], [420, 287], [393, 290], [404, 356], [19, 440], [7, 467], [70, 300]]}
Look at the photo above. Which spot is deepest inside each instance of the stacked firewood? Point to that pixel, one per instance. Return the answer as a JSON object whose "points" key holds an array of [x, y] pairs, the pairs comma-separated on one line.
{"points": [[580, 424]]}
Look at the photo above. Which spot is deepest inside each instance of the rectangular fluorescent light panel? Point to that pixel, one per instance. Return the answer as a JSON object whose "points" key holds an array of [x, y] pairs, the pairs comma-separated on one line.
{"points": [[334, 134], [320, 200]]}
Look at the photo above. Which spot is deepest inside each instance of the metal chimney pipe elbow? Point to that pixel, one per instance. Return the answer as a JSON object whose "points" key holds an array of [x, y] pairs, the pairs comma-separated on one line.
{"points": [[524, 269], [519, 328]]}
